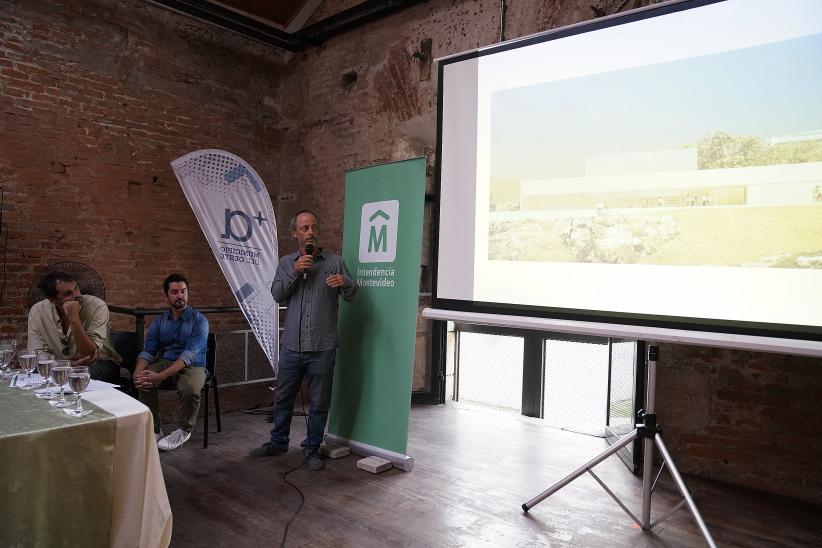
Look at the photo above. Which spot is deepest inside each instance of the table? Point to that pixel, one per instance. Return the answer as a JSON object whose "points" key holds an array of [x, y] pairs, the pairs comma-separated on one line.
{"points": [[92, 481]]}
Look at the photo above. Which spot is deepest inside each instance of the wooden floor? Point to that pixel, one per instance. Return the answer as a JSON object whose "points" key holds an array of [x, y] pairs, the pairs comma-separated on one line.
{"points": [[473, 470]]}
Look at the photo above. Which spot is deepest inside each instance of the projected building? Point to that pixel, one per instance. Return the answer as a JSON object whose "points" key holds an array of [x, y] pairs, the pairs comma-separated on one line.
{"points": [[641, 180]]}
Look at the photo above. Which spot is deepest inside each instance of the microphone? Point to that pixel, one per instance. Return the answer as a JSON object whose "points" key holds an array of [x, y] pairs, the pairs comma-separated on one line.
{"points": [[309, 250]]}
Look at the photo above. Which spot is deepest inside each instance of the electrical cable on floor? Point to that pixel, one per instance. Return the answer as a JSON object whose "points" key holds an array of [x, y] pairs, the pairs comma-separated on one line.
{"points": [[300, 507], [285, 476], [269, 412], [259, 411]]}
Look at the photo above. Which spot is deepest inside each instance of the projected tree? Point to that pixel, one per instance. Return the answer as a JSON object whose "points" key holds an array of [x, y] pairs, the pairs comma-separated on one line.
{"points": [[723, 150]]}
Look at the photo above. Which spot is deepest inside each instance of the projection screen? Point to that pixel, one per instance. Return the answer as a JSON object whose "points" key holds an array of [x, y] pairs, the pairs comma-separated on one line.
{"points": [[659, 168]]}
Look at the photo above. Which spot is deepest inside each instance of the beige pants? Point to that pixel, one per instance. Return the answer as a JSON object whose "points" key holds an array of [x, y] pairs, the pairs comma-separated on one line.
{"points": [[188, 383]]}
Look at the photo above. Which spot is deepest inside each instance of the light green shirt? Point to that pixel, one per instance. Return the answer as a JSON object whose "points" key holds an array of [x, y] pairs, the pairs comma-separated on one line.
{"points": [[46, 330]]}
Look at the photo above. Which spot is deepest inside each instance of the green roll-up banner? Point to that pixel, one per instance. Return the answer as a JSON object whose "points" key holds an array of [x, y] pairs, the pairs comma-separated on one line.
{"points": [[382, 240]]}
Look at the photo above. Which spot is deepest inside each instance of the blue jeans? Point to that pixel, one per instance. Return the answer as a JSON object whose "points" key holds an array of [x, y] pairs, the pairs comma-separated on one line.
{"points": [[293, 366]]}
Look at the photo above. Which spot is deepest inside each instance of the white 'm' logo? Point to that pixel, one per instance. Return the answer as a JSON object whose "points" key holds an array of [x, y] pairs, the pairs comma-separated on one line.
{"points": [[378, 231]]}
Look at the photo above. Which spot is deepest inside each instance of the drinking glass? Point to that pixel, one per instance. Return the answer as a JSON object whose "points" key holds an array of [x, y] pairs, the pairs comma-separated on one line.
{"points": [[28, 361], [60, 376], [78, 381], [6, 355], [13, 344], [44, 359], [10, 343], [45, 362]]}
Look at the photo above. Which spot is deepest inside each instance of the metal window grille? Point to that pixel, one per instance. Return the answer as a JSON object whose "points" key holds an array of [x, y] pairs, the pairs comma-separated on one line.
{"points": [[623, 382], [489, 369], [576, 385], [240, 359]]}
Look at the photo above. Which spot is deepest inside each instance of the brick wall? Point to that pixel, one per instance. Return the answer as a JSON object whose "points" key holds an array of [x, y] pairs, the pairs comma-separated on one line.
{"points": [[97, 97], [389, 113], [747, 418], [95, 100]]}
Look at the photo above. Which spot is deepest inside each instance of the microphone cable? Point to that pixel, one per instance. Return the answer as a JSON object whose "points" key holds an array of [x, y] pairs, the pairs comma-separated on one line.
{"points": [[302, 405], [285, 476]]}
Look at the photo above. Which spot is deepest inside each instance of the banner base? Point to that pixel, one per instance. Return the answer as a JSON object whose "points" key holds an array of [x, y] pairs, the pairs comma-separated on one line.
{"points": [[398, 460]]}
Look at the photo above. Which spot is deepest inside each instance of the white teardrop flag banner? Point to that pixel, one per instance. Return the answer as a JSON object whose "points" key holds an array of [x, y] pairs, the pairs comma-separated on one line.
{"points": [[234, 210]]}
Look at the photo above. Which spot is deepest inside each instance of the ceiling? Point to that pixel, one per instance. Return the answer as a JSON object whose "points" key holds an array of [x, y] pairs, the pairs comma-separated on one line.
{"points": [[282, 23], [287, 15]]}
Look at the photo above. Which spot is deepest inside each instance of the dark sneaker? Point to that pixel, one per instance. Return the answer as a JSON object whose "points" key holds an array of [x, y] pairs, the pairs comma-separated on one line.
{"points": [[314, 460], [268, 449]]}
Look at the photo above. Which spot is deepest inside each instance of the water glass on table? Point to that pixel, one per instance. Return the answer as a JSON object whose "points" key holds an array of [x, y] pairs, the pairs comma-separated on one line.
{"points": [[28, 361], [45, 362], [10, 342], [79, 378], [60, 376], [6, 355]]}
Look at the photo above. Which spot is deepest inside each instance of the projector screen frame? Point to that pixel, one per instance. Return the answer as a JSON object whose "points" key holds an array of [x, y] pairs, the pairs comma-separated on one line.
{"points": [[691, 324]]}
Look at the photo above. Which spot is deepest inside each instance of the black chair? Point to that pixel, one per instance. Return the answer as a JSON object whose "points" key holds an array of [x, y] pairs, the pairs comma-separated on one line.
{"points": [[126, 344], [211, 384]]}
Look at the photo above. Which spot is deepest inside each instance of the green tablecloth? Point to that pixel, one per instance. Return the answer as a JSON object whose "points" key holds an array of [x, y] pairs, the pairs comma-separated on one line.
{"points": [[56, 473]]}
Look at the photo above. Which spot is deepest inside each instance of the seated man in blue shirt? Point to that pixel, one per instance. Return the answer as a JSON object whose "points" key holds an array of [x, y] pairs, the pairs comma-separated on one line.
{"points": [[175, 350]]}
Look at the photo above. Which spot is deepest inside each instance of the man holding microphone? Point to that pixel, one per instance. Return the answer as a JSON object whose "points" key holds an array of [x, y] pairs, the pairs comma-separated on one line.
{"points": [[309, 282]]}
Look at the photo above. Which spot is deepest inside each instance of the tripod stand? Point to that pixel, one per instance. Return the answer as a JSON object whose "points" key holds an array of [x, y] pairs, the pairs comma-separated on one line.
{"points": [[650, 433]]}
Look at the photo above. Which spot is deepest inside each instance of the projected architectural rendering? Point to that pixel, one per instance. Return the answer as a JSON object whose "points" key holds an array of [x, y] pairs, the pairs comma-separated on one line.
{"points": [[701, 161]]}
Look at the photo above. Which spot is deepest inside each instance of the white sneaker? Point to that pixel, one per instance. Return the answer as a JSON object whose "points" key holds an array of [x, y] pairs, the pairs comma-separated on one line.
{"points": [[159, 435], [173, 440]]}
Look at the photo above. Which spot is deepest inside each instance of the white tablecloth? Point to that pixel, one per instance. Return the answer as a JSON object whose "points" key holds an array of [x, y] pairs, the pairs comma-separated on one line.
{"points": [[141, 514]]}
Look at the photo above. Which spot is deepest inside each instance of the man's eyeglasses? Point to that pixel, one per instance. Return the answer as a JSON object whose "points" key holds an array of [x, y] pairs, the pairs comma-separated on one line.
{"points": [[66, 342], [305, 228]]}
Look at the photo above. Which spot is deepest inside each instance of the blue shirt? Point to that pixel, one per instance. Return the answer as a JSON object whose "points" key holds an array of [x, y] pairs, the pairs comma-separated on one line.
{"points": [[184, 338]]}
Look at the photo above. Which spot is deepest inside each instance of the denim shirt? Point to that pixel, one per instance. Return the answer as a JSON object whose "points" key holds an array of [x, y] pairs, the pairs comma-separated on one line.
{"points": [[183, 339], [311, 306]]}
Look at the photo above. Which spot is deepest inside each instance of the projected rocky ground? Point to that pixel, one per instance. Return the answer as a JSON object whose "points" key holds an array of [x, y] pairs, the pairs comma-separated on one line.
{"points": [[773, 237]]}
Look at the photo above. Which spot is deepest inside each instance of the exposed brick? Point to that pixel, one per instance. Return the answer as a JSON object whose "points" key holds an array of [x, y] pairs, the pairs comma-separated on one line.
{"points": [[114, 90]]}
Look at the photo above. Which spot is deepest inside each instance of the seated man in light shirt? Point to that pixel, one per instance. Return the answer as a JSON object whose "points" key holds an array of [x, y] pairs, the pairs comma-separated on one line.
{"points": [[175, 351], [74, 327]]}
